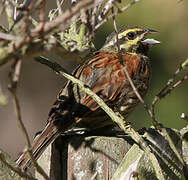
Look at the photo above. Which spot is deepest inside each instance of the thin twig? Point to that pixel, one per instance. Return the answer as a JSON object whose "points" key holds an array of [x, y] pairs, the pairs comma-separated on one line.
{"points": [[118, 119], [59, 4], [178, 83], [64, 18], [14, 3], [116, 30], [164, 91], [8, 52], [111, 16], [107, 7], [6, 36], [15, 10], [152, 157], [94, 176], [28, 4], [14, 79], [165, 133], [130, 80]]}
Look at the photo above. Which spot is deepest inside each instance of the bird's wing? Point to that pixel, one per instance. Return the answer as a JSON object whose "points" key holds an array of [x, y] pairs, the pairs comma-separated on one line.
{"points": [[105, 76]]}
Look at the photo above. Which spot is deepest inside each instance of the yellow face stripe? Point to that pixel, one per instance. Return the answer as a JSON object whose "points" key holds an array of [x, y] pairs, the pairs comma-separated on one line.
{"points": [[125, 43], [130, 30], [130, 43]]}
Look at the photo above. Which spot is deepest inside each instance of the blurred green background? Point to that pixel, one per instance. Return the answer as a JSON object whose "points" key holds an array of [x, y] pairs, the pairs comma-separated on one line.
{"points": [[39, 85]]}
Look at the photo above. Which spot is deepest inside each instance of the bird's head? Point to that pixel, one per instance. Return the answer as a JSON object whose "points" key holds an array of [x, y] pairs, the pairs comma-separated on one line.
{"points": [[131, 40]]}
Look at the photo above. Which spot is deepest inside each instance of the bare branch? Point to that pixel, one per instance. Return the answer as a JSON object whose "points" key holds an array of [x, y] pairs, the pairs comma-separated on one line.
{"points": [[7, 53], [14, 79], [178, 83], [154, 161], [8, 37], [108, 6], [165, 91], [49, 26], [100, 23], [117, 118]]}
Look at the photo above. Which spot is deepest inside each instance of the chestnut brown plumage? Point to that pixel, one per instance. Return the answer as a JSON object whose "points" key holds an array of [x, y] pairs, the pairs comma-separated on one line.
{"points": [[105, 74]]}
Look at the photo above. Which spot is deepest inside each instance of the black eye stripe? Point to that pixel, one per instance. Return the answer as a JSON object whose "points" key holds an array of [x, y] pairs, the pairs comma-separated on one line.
{"points": [[139, 32]]}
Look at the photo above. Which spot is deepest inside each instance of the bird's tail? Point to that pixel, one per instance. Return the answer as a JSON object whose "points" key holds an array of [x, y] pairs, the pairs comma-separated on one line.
{"points": [[48, 135]]}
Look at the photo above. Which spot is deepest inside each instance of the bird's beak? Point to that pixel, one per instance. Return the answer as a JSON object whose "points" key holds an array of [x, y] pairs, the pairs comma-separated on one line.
{"points": [[150, 41], [150, 31]]}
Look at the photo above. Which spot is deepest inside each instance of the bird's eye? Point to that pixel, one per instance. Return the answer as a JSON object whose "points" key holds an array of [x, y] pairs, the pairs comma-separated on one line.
{"points": [[131, 35]]}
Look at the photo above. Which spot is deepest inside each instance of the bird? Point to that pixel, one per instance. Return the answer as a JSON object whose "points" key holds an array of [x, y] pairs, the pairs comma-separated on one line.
{"points": [[104, 73]]}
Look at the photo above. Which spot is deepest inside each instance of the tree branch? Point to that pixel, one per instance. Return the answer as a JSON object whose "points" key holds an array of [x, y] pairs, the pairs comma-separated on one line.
{"points": [[14, 79], [118, 119]]}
